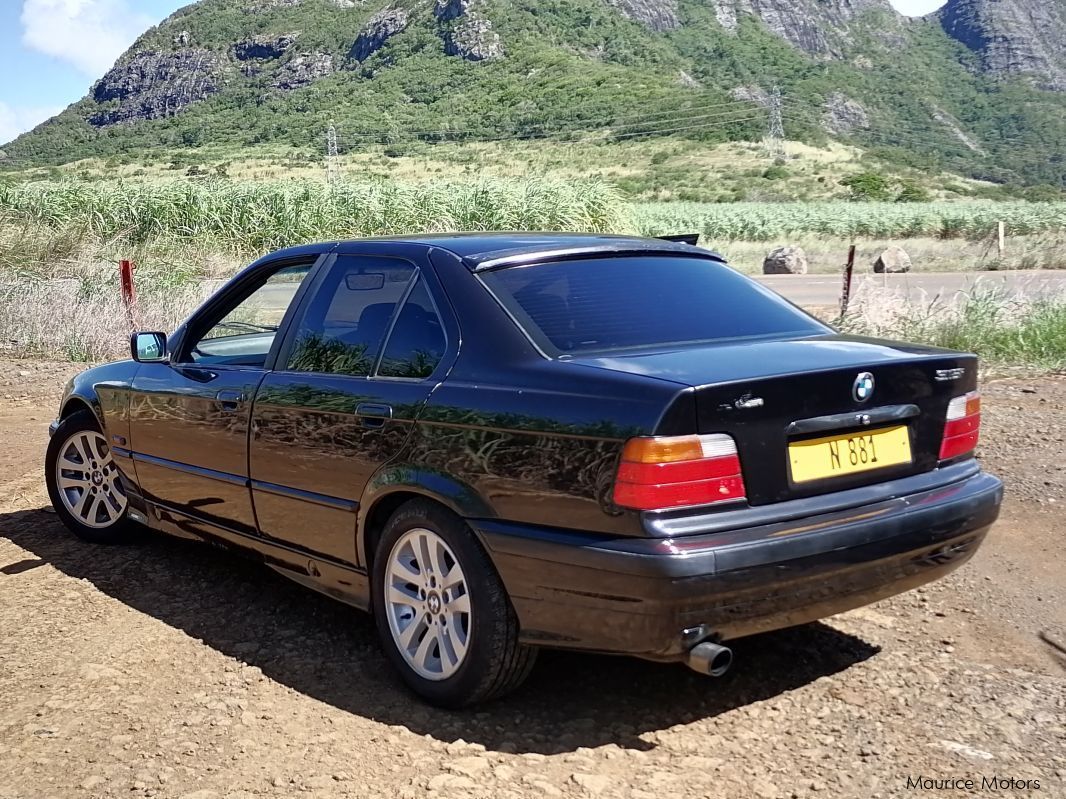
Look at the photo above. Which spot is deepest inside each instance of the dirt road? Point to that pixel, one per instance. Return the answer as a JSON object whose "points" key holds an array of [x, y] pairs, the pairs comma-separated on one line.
{"points": [[167, 669]]}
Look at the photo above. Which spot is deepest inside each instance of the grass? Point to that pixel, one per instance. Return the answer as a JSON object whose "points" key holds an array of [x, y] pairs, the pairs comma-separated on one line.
{"points": [[658, 170], [84, 319], [251, 217], [968, 220], [1003, 329]]}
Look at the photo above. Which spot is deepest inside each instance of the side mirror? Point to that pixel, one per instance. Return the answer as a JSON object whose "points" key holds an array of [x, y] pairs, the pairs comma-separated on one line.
{"points": [[149, 347]]}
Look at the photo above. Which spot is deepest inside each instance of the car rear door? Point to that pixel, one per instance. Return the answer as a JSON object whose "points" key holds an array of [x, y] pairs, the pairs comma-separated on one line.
{"points": [[189, 417], [352, 377]]}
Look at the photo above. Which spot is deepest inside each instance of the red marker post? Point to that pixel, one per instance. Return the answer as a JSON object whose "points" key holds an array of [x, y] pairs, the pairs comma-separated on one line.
{"points": [[129, 291]]}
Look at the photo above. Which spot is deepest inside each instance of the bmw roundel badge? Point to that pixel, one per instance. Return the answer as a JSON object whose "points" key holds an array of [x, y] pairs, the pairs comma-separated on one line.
{"points": [[863, 387]]}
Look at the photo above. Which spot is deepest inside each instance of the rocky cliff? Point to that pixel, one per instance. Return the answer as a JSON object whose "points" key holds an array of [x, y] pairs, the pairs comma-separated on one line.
{"points": [[152, 84], [1022, 37], [1013, 37], [244, 72], [818, 27]]}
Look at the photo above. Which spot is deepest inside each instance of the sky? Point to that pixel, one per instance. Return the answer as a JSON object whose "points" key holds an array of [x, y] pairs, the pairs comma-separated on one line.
{"points": [[51, 51]]}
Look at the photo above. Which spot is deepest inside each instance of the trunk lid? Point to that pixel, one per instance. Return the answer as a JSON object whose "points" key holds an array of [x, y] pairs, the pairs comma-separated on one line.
{"points": [[770, 394]]}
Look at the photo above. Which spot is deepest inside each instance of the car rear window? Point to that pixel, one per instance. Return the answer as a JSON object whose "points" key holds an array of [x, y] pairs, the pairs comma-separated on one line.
{"points": [[641, 302]]}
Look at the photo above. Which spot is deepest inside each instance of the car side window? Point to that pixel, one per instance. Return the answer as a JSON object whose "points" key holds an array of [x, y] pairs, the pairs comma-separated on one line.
{"points": [[343, 326], [416, 343], [245, 332]]}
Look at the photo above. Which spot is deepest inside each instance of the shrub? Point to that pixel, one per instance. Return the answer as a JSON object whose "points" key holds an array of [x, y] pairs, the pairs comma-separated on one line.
{"points": [[913, 193], [868, 186]]}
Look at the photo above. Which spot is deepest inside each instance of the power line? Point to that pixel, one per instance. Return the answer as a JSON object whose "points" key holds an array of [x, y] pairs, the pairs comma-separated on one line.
{"points": [[687, 127], [568, 124]]}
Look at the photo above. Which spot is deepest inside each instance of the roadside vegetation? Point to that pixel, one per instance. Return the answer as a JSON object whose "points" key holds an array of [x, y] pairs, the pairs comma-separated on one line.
{"points": [[249, 217], [773, 221], [645, 169], [60, 241], [1004, 329]]}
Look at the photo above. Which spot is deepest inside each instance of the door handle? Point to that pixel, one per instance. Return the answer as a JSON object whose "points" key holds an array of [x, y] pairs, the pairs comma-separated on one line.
{"points": [[372, 414], [230, 400]]}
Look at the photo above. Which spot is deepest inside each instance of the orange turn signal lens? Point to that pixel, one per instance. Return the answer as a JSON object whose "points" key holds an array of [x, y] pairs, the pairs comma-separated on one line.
{"points": [[662, 450], [962, 429], [966, 405]]}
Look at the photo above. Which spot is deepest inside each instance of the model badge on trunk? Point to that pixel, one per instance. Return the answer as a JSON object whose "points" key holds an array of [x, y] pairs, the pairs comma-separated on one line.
{"points": [[947, 375], [748, 401]]}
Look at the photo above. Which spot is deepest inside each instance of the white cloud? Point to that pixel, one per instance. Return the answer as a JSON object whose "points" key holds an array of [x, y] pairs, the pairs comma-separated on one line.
{"points": [[917, 8], [17, 119], [90, 34]]}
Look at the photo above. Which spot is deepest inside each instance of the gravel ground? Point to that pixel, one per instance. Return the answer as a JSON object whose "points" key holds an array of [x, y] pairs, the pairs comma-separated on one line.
{"points": [[167, 669]]}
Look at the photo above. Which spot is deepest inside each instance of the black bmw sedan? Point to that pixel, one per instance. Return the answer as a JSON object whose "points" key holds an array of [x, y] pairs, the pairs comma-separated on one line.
{"points": [[498, 442]]}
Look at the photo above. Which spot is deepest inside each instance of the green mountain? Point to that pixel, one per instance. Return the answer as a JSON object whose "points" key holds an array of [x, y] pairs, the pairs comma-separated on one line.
{"points": [[979, 88]]}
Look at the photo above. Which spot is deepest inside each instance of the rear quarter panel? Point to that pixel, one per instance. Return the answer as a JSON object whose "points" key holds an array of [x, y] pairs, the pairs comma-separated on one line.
{"points": [[528, 448]]}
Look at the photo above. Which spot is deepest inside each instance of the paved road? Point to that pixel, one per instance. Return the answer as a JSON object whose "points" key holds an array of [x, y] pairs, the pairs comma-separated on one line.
{"points": [[824, 290], [814, 290]]}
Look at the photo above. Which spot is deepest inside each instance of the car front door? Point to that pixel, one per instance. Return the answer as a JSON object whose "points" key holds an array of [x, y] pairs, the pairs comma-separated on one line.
{"points": [[189, 417], [351, 379]]}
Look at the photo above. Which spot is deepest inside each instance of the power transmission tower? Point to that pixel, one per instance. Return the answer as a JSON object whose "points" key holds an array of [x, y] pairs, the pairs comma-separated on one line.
{"points": [[775, 134], [332, 165]]}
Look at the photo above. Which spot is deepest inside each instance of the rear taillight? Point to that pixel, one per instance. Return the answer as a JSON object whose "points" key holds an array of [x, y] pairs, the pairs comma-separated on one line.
{"points": [[677, 472], [963, 426]]}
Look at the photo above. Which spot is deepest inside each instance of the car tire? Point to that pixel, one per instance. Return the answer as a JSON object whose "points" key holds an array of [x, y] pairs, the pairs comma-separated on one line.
{"points": [[84, 484], [418, 592]]}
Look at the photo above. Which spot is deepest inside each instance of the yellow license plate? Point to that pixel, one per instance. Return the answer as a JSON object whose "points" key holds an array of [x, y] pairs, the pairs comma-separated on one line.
{"points": [[851, 453]]}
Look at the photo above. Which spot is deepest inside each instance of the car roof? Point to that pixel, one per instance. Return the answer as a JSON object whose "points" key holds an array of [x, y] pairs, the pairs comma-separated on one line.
{"points": [[481, 251]]}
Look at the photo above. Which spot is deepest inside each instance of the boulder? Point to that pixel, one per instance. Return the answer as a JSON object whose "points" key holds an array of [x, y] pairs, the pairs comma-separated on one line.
{"points": [[894, 259], [785, 261]]}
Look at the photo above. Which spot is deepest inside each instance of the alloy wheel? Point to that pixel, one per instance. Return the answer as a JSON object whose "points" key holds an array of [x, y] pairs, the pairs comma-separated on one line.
{"points": [[88, 480], [428, 604]]}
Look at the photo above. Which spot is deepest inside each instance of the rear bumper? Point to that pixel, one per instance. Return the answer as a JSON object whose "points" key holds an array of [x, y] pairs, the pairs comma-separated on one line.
{"points": [[637, 596]]}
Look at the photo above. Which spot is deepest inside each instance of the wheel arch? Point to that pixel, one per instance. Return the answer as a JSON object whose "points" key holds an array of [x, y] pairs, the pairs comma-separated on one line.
{"points": [[75, 403], [394, 486]]}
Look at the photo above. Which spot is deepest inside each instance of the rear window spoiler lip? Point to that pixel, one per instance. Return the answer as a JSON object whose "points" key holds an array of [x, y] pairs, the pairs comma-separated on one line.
{"points": [[524, 256], [692, 239]]}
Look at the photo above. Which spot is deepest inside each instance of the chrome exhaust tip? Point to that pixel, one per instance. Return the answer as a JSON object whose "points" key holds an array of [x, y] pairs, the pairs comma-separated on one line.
{"points": [[714, 660]]}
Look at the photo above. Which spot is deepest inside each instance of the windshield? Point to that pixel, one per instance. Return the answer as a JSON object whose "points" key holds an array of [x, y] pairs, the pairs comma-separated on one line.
{"points": [[642, 302]]}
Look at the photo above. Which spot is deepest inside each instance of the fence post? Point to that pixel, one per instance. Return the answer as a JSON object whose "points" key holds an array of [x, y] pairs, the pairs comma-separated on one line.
{"points": [[1002, 240], [129, 291], [845, 292]]}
